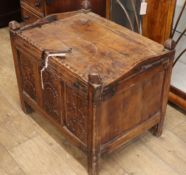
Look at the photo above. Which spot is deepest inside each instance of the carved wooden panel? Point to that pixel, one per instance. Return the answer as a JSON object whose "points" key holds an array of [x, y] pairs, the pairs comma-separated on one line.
{"points": [[27, 74], [51, 95], [76, 113]]}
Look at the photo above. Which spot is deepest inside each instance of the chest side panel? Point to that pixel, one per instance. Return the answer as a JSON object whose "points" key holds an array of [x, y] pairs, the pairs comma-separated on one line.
{"points": [[136, 100]]}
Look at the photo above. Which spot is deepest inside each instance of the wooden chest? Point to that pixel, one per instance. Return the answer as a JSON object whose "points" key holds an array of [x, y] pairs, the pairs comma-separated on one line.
{"points": [[32, 10], [99, 83]]}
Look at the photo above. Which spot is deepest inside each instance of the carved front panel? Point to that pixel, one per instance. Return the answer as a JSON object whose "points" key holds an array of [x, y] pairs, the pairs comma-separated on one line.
{"points": [[76, 113], [51, 95], [28, 76]]}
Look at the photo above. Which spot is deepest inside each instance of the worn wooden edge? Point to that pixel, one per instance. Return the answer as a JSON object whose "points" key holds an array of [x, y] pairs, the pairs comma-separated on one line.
{"points": [[93, 122], [138, 67], [130, 134], [67, 70], [54, 17], [158, 129], [177, 97], [51, 18]]}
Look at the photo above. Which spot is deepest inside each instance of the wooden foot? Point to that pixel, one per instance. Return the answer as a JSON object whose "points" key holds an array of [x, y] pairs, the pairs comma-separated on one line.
{"points": [[93, 165], [157, 130], [26, 108]]}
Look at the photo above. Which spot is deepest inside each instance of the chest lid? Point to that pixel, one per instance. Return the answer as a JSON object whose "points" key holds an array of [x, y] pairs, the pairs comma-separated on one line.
{"points": [[98, 45]]}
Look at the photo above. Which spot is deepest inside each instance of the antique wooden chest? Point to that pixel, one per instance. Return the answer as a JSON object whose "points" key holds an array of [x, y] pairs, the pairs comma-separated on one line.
{"points": [[99, 83]]}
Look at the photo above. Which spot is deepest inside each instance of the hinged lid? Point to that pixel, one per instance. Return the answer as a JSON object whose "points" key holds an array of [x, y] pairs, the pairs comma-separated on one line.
{"points": [[98, 45]]}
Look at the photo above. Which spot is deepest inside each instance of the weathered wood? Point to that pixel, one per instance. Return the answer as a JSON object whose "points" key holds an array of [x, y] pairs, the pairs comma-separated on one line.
{"points": [[110, 87]]}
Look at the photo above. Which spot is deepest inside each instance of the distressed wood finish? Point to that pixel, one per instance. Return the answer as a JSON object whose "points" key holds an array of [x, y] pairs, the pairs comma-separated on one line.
{"points": [[109, 89], [35, 9]]}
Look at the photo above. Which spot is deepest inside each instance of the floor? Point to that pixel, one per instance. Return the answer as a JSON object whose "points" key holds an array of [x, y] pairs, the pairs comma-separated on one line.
{"points": [[29, 145], [179, 71]]}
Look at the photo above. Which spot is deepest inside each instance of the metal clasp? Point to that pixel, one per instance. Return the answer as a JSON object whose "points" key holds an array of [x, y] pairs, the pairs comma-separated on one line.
{"points": [[52, 53]]}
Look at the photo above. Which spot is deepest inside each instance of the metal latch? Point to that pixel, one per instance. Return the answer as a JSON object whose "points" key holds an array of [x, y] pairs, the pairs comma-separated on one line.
{"points": [[52, 53]]}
